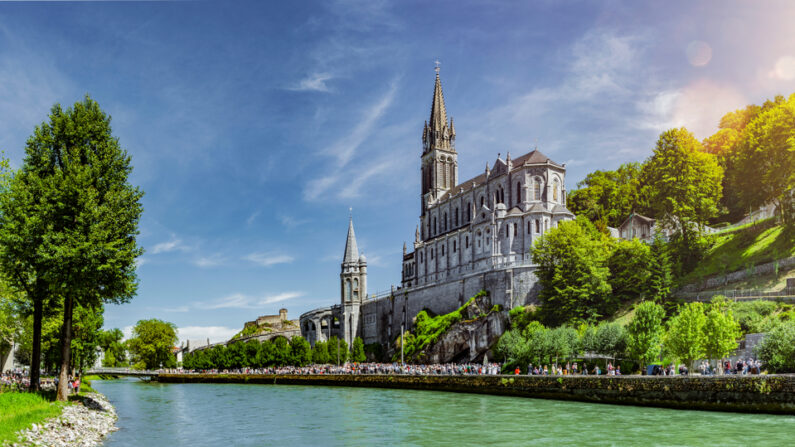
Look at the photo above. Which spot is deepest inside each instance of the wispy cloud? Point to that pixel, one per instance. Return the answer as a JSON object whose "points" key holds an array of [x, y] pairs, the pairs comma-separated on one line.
{"points": [[243, 301], [267, 259], [214, 333], [315, 82], [209, 261], [250, 220], [291, 222], [174, 244]]}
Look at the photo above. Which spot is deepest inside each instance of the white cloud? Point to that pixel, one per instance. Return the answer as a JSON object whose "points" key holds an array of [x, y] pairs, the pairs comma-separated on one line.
{"points": [[252, 218], [784, 69], [281, 297], [291, 222], [267, 259], [173, 244], [209, 261], [214, 333], [243, 301], [315, 82]]}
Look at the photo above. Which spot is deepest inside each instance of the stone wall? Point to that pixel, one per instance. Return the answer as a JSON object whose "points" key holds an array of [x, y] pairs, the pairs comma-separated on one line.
{"points": [[755, 394], [383, 318], [740, 275]]}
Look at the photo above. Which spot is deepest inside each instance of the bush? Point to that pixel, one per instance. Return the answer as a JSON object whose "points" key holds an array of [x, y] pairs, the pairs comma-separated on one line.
{"points": [[777, 349]]}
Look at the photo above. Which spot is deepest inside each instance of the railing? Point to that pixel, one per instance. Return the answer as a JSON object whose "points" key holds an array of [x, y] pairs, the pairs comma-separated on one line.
{"points": [[122, 372], [787, 294]]}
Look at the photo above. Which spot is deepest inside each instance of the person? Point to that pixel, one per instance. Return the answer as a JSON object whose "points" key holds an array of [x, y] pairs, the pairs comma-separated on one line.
{"points": [[618, 370], [517, 371]]}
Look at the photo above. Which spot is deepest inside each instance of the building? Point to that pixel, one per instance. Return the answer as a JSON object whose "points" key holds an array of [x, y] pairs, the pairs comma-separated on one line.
{"points": [[472, 235], [637, 226]]}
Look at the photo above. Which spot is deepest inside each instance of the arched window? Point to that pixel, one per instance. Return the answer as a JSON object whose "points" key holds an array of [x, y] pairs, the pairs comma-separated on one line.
{"points": [[515, 229], [355, 288], [469, 211], [435, 228], [538, 226], [442, 250], [555, 189], [537, 189], [529, 227], [347, 290], [518, 192], [454, 248], [467, 242], [432, 250], [455, 223]]}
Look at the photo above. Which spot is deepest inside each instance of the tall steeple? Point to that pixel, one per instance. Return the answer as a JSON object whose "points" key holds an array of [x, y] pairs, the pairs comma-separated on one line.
{"points": [[438, 133], [439, 158], [438, 110], [351, 250]]}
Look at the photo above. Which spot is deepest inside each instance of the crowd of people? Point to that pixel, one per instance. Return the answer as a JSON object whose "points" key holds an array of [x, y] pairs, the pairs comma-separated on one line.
{"points": [[447, 369], [19, 380], [570, 369]]}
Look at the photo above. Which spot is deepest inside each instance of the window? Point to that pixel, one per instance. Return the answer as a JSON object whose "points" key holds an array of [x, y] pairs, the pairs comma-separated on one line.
{"points": [[555, 189], [355, 288], [515, 229], [529, 227], [455, 223], [467, 242], [537, 189], [518, 192], [469, 211], [453, 246], [442, 250], [435, 228], [432, 250], [538, 226], [481, 201]]}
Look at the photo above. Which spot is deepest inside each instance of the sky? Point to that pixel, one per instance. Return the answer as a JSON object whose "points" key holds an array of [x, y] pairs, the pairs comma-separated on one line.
{"points": [[254, 127]]}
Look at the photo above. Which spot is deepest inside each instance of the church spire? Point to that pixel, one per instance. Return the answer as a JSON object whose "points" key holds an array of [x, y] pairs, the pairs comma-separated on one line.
{"points": [[438, 110], [351, 250], [438, 133]]}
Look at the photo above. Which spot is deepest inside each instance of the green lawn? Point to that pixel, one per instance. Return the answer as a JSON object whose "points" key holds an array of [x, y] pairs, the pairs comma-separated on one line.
{"points": [[21, 410], [742, 248]]}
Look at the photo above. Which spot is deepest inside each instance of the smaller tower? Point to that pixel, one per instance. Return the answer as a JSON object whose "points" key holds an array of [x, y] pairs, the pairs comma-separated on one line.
{"points": [[353, 284]]}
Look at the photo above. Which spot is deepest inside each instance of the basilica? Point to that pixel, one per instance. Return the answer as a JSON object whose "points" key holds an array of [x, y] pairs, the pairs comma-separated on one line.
{"points": [[472, 235]]}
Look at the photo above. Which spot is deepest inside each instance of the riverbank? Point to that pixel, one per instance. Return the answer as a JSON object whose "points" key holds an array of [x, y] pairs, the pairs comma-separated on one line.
{"points": [[84, 421], [752, 394]]}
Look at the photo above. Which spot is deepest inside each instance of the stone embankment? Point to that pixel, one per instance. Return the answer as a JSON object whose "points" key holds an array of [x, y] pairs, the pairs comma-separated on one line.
{"points": [[763, 394], [82, 424]]}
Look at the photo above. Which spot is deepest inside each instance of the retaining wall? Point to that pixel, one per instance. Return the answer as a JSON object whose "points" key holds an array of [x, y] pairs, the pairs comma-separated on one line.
{"points": [[766, 394]]}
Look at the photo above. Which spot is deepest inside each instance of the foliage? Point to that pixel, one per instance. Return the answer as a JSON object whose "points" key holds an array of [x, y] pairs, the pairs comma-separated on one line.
{"points": [[606, 198], [685, 337], [645, 333], [115, 354], [21, 410], [758, 316], [427, 331], [69, 218], [320, 353], [10, 323], [300, 351], [572, 269], [683, 185], [611, 339], [765, 161], [777, 349], [721, 330], [658, 285], [337, 350], [248, 330], [630, 269], [357, 353], [151, 343], [521, 316], [375, 352]]}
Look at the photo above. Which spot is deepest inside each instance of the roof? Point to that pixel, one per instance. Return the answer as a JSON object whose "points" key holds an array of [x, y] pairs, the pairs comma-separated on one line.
{"points": [[351, 250], [438, 110], [644, 219]]}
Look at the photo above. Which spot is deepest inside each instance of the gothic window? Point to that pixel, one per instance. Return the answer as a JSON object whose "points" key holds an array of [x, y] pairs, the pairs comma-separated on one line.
{"points": [[442, 250], [529, 227], [432, 250], [481, 201], [355, 289], [454, 246], [538, 226], [537, 189], [347, 290], [444, 224], [469, 211], [555, 189], [435, 228], [518, 192], [467, 242], [455, 223], [515, 229]]}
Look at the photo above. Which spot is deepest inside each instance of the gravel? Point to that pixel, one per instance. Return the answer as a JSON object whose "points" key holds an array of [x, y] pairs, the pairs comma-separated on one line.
{"points": [[80, 424]]}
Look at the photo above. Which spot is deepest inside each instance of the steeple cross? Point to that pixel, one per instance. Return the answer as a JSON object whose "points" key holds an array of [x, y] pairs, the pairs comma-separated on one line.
{"points": [[437, 65]]}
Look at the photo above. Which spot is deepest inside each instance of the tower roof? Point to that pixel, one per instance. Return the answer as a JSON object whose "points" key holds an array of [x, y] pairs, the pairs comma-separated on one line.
{"points": [[438, 110], [351, 250]]}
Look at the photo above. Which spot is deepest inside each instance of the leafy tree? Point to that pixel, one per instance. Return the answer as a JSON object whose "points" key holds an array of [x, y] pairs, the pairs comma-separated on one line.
{"points": [[683, 185], [10, 324], [300, 351], [357, 355], [766, 161], [572, 268], [721, 330], [236, 353], [151, 343], [563, 343], [777, 349], [658, 285], [113, 348], [685, 336], [645, 333], [251, 350], [611, 340], [266, 354], [281, 352], [630, 268], [70, 218], [337, 350], [608, 197], [320, 353]]}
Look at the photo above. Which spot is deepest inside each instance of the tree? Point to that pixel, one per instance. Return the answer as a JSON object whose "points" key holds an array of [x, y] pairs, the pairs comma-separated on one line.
{"points": [[645, 333], [777, 349], [683, 185], [658, 285], [70, 218], [357, 354], [151, 343], [10, 325], [265, 354], [300, 351], [281, 351], [337, 350], [611, 340], [766, 161], [111, 343], [721, 330], [630, 269], [685, 336], [572, 268], [320, 353], [608, 197], [251, 351]]}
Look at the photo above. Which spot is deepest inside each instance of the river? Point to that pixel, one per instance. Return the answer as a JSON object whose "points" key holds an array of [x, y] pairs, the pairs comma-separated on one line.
{"points": [[152, 414]]}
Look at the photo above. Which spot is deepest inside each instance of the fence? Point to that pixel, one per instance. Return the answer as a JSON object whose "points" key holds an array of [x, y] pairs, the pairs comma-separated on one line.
{"points": [[787, 294]]}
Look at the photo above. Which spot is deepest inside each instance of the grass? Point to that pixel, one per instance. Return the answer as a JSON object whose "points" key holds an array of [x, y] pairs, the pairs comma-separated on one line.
{"points": [[21, 410], [742, 248]]}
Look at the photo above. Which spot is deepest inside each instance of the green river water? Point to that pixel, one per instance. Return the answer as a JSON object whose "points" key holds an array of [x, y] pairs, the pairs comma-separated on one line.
{"points": [[152, 414]]}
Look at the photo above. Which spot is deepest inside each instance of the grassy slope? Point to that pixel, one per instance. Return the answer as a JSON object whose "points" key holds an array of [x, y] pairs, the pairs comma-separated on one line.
{"points": [[742, 248], [21, 410]]}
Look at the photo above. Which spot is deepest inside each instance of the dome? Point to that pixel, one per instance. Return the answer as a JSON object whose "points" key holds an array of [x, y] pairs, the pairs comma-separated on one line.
{"points": [[500, 206], [363, 259]]}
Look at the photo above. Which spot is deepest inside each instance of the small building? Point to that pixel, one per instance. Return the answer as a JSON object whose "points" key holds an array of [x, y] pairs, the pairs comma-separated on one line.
{"points": [[637, 226]]}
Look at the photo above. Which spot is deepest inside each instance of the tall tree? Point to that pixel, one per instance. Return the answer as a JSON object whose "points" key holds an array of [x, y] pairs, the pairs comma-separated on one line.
{"points": [[357, 354], [112, 347], [721, 330], [766, 161], [608, 197], [685, 336], [645, 332], [572, 268], [630, 267], [71, 218], [683, 184], [151, 343], [658, 285]]}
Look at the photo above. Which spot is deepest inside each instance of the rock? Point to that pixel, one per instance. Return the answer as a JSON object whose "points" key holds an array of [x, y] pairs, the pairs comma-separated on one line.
{"points": [[80, 424]]}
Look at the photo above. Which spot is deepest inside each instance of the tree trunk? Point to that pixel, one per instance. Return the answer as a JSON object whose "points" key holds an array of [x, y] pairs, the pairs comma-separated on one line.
{"points": [[66, 345], [35, 359]]}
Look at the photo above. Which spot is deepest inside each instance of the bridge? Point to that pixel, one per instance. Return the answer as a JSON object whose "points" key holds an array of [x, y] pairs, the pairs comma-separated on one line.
{"points": [[123, 372]]}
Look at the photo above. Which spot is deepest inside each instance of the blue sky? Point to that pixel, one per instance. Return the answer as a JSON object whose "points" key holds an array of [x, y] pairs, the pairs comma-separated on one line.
{"points": [[254, 126]]}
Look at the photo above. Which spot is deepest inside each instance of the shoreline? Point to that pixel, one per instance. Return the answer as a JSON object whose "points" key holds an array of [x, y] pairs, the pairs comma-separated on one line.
{"points": [[85, 422], [774, 394]]}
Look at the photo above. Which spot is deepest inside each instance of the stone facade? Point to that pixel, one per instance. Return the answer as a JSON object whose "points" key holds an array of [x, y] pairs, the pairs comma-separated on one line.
{"points": [[473, 235]]}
